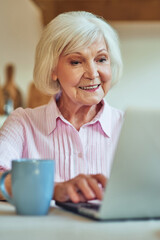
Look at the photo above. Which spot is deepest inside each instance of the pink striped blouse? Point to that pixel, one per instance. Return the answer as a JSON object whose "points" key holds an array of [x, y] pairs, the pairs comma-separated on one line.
{"points": [[43, 133]]}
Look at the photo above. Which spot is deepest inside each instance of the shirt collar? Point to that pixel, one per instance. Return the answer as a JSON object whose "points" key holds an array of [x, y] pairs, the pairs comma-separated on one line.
{"points": [[103, 117], [52, 113]]}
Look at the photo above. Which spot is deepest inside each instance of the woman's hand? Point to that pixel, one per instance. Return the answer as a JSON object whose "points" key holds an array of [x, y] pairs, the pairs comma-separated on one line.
{"points": [[81, 188]]}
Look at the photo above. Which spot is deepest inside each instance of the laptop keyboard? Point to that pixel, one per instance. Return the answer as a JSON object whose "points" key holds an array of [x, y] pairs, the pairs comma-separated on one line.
{"points": [[75, 206], [93, 206]]}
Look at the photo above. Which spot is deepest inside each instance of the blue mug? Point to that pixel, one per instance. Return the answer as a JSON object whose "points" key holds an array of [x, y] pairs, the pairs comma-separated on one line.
{"points": [[32, 186]]}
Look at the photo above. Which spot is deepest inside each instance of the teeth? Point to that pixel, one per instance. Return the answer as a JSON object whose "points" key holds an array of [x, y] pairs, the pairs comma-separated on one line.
{"points": [[88, 88]]}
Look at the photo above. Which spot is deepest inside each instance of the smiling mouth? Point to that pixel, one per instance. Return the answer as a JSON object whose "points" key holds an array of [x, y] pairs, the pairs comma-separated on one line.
{"points": [[90, 87]]}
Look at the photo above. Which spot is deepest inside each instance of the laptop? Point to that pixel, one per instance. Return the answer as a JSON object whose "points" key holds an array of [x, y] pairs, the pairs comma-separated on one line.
{"points": [[133, 190]]}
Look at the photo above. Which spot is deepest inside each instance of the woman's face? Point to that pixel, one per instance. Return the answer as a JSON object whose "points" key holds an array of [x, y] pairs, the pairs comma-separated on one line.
{"points": [[85, 75]]}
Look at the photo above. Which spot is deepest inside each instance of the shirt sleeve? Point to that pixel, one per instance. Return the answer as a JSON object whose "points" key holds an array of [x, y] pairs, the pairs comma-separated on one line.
{"points": [[11, 139]]}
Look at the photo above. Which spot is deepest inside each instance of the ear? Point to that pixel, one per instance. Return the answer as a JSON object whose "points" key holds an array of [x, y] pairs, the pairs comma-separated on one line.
{"points": [[54, 76]]}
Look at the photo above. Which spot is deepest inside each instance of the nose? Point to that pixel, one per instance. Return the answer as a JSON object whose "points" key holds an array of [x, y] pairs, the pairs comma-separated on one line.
{"points": [[90, 71]]}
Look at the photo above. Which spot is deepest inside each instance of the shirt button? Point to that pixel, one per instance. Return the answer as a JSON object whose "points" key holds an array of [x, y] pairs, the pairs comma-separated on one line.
{"points": [[80, 155]]}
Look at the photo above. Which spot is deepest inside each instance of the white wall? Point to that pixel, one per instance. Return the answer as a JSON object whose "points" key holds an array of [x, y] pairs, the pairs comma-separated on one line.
{"points": [[140, 83], [20, 29]]}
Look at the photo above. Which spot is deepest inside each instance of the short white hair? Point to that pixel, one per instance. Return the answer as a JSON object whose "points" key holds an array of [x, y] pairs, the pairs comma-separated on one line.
{"points": [[67, 33]]}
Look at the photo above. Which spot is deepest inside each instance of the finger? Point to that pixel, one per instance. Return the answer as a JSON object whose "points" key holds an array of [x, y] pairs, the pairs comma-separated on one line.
{"points": [[82, 197], [72, 193], [86, 190], [60, 193], [100, 179], [92, 182]]}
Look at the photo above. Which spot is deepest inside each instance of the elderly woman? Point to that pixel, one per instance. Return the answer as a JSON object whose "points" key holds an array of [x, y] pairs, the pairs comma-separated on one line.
{"points": [[77, 60]]}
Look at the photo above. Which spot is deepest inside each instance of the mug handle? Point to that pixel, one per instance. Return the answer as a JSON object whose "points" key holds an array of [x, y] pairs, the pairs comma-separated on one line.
{"points": [[3, 188]]}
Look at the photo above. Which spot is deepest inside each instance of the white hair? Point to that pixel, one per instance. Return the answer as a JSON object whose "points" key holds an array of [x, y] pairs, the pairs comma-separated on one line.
{"points": [[67, 33]]}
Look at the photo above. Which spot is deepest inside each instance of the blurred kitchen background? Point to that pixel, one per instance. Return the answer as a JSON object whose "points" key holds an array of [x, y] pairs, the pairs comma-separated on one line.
{"points": [[136, 21]]}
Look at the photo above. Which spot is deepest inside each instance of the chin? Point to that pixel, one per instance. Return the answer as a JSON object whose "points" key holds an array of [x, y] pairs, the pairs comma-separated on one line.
{"points": [[94, 101]]}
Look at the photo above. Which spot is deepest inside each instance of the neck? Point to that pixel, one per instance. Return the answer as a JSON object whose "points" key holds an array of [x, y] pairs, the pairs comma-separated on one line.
{"points": [[78, 115]]}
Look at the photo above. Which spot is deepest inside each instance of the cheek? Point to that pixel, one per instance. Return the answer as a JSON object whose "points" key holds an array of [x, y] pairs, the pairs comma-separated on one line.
{"points": [[106, 80], [106, 87], [71, 76], [106, 75]]}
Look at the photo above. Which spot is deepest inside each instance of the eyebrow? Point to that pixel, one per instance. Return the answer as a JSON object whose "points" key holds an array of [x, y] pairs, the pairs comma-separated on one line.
{"points": [[101, 50], [78, 53]]}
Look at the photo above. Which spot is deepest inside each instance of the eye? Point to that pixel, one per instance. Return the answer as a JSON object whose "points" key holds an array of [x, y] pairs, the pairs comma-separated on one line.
{"points": [[101, 60], [75, 62]]}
